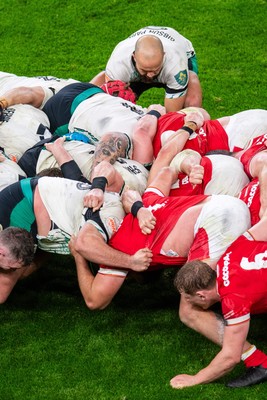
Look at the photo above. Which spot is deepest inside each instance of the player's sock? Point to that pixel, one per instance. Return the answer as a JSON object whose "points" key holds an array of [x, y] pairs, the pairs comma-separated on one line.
{"points": [[254, 357]]}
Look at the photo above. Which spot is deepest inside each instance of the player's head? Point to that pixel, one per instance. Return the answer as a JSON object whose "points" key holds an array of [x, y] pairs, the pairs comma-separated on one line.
{"points": [[16, 248], [112, 146], [148, 56], [119, 89], [196, 280]]}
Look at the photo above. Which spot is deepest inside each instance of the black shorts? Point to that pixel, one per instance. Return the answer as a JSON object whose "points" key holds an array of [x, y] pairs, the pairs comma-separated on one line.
{"points": [[60, 107]]}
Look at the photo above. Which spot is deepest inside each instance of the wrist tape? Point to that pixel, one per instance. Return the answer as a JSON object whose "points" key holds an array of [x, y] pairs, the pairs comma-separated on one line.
{"points": [[155, 113], [99, 182], [187, 129], [136, 207], [180, 157]]}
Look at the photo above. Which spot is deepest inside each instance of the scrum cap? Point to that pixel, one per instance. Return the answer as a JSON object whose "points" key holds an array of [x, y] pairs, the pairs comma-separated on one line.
{"points": [[119, 89]]}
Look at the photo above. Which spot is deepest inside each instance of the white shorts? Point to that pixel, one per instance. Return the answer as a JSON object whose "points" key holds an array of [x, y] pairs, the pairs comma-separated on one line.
{"points": [[9, 173], [222, 219], [228, 176], [245, 126], [63, 200], [22, 128]]}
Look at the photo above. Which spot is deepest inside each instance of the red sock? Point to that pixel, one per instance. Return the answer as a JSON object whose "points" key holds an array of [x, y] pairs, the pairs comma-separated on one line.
{"points": [[255, 359]]}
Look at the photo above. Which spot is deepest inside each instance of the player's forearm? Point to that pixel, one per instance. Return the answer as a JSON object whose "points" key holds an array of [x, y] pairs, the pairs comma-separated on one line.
{"points": [[96, 250], [220, 366], [129, 198], [23, 95]]}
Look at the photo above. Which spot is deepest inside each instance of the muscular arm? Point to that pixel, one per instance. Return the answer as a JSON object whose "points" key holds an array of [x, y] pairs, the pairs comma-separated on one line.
{"points": [[194, 91], [167, 152], [174, 104], [143, 135], [226, 359], [99, 79], [99, 290], [24, 95], [91, 245], [175, 143]]}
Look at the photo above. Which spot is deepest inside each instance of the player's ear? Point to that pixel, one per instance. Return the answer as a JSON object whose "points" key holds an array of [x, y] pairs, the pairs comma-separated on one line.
{"points": [[201, 295]]}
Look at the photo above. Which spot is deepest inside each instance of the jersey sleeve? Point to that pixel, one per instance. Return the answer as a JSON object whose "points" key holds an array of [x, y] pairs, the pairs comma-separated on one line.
{"points": [[235, 309]]}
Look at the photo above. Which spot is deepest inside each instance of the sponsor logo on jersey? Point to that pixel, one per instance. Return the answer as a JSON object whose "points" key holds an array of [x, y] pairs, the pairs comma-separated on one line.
{"points": [[225, 269], [82, 186], [181, 77], [252, 194]]}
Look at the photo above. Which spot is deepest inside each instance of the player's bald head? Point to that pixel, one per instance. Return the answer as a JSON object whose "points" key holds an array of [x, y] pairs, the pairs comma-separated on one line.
{"points": [[148, 56], [149, 47]]}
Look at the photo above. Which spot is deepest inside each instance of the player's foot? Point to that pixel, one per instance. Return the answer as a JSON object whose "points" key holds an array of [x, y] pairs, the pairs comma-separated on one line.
{"points": [[252, 376]]}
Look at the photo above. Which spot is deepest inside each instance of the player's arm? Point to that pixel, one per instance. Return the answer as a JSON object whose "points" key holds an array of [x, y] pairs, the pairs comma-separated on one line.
{"points": [[132, 203], [99, 290], [99, 79], [92, 246], [224, 362], [174, 104], [194, 91], [23, 95], [69, 167], [144, 132], [192, 121]]}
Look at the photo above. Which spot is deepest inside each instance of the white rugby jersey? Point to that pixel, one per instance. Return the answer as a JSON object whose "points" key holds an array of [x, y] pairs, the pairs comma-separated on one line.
{"points": [[100, 114], [174, 73], [133, 173]]}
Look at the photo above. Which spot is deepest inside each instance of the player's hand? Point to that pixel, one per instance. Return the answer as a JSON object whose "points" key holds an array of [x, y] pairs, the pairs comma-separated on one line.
{"points": [[196, 175], [196, 117], [141, 260], [56, 146], [182, 381], [72, 245], [146, 220], [94, 199], [157, 107]]}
